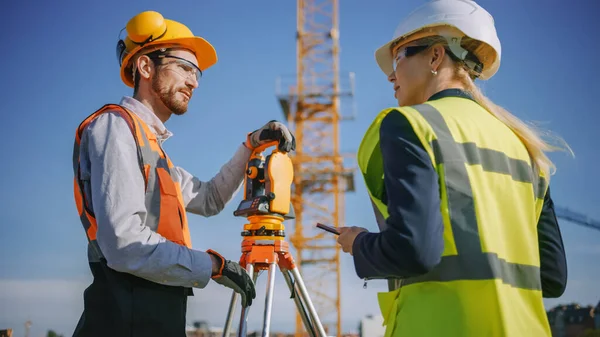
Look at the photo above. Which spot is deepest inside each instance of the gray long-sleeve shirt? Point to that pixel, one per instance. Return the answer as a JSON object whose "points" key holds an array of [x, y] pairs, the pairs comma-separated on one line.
{"points": [[108, 158]]}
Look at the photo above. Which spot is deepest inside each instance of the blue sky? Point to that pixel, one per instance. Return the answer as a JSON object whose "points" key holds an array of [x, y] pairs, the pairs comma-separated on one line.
{"points": [[60, 66]]}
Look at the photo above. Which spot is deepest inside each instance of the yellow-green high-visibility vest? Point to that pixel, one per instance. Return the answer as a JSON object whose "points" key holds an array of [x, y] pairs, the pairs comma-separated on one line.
{"points": [[488, 281]]}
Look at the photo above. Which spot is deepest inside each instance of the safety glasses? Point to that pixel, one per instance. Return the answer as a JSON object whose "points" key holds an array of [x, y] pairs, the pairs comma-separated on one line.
{"points": [[408, 52], [471, 60], [180, 65]]}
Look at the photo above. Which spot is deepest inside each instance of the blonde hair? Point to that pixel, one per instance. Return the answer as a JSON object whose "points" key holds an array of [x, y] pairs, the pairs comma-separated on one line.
{"points": [[530, 135]]}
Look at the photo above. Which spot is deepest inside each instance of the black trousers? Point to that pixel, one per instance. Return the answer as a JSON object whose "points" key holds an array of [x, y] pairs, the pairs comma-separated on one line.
{"points": [[122, 305]]}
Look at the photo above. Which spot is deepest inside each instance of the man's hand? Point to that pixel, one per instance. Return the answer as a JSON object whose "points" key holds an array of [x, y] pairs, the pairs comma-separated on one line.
{"points": [[347, 237], [272, 131], [231, 275]]}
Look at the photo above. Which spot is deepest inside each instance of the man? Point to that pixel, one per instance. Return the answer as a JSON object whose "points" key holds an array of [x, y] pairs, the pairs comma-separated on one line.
{"points": [[132, 200]]}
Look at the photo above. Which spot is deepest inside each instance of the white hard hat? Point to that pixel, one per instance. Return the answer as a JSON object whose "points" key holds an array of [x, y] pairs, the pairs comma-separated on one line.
{"points": [[451, 19]]}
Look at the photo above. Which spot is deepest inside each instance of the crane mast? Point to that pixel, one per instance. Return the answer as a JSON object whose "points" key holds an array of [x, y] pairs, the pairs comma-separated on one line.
{"points": [[312, 108]]}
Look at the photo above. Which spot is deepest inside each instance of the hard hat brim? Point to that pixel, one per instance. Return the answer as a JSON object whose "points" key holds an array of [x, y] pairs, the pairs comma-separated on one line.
{"points": [[205, 53], [383, 54]]}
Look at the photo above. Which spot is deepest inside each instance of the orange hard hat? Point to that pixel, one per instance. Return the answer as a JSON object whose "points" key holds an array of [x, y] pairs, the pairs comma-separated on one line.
{"points": [[150, 28]]}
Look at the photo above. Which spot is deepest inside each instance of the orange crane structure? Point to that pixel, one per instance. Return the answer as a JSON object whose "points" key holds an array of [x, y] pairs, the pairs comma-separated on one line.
{"points": [[312, 106]]}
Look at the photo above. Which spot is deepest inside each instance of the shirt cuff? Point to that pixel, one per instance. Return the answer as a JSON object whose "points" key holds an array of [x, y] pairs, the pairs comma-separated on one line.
{"points": [[361, 265], [201, 266]]}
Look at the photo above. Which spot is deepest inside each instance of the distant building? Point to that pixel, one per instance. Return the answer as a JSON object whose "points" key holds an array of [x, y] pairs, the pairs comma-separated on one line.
{"points": [[371, 326], [202, 329], [597, 316], [572, 320]]}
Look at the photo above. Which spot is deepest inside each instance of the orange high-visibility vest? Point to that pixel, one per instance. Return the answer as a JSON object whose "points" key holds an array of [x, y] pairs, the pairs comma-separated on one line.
{"points": [[163, 198]]}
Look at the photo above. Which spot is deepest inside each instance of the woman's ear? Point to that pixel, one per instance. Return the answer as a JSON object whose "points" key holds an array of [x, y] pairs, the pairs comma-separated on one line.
{"points": [[436, 56]]}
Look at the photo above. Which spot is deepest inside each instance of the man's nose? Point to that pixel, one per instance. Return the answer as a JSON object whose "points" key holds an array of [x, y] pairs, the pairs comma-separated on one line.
{"points": [[191, 82]]}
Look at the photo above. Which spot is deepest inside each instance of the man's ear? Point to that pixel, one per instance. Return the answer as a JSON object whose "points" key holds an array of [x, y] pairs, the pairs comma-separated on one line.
{"points": [[144, 66], [437, 56]]}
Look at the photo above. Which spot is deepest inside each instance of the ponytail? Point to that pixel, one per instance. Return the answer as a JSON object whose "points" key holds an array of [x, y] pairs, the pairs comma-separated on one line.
{"points": [[530, 137]]}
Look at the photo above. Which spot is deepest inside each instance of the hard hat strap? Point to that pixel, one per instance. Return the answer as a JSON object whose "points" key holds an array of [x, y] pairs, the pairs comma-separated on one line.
{"points": [[122, 48], [456, 48], [462, 55], [150, 38]]}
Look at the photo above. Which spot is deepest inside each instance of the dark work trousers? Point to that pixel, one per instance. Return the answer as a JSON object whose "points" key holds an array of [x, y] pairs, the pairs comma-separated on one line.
{"points": [[122, 305]]}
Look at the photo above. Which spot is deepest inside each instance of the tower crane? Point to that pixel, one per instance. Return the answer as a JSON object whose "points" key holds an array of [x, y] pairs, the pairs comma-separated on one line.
{"points": [[312, 106]]}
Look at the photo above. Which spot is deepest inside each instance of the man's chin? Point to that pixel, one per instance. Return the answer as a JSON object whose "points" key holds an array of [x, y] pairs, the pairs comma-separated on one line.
{"points": [[179, 109], [176, 107]]}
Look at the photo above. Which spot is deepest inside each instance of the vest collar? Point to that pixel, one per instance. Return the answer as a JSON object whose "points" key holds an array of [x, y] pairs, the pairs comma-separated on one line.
{"points": [[155, 124], [453, 92]]}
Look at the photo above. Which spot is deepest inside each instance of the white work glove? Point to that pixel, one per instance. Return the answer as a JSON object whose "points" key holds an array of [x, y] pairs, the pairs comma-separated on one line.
{"points": [[272, 131]]}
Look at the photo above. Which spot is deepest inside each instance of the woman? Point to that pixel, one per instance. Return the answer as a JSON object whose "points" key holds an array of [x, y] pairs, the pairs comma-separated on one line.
{"points": [[468, 236]]}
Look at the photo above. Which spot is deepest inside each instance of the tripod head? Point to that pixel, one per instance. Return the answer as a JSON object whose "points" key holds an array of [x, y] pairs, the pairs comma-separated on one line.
{"points": [[267, 192]]}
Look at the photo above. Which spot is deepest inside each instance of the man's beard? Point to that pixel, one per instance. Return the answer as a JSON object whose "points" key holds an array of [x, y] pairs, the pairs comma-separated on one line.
{"points": [[168, 98]]}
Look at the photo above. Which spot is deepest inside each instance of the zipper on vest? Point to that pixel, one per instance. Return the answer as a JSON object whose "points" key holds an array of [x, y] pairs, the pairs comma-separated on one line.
{"points": [[365, 284]]}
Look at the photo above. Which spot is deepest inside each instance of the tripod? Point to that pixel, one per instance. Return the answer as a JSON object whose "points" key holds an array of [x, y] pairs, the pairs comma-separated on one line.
{"points": [[267, 205]]}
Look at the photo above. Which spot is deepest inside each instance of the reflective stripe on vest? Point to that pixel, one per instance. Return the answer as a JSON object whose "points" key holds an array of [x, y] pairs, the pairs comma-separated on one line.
{"points": [[471, 263], [449, 157], [163, 199]]}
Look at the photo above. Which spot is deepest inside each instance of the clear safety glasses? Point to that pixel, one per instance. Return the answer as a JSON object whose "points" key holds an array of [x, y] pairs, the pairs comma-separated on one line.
{"points": [[180, 65], [408, 52]]}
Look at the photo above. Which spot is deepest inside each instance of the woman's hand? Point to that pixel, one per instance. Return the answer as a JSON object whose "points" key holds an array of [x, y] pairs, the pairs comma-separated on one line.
{"points": [[347, 237]]}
